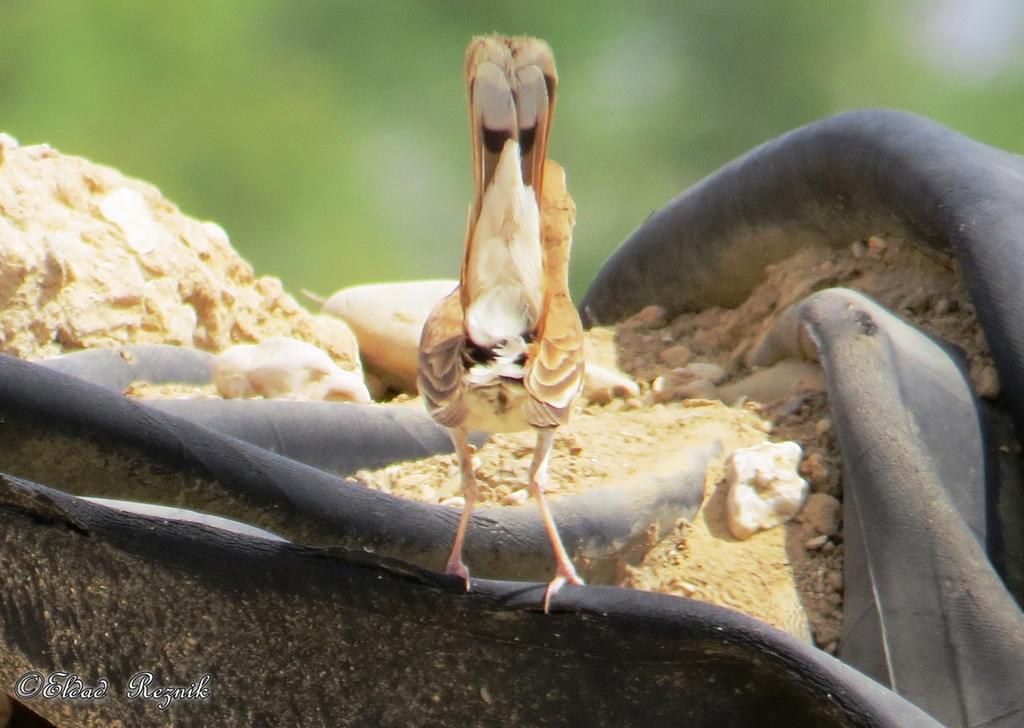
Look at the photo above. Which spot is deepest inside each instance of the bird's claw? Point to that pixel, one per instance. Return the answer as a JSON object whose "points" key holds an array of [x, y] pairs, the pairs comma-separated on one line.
{"points": [[563, 577], [457, 568]]}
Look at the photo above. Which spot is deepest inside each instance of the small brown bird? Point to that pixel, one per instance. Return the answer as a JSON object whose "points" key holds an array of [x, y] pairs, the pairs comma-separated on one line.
{"points": [[504, 351]]}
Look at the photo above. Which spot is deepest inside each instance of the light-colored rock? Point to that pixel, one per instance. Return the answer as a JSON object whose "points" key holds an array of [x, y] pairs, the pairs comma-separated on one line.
{"points": [[706, 370], [815, 543], [517, 497], [987, 382], [680, 384], [91, 258], [764, 487], [284, 368], [601, 385], [387, 319]]}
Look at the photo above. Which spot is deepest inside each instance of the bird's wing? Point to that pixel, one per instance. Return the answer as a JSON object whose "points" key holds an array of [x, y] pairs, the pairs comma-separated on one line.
{"points": [[441, 368], [554, 371]]}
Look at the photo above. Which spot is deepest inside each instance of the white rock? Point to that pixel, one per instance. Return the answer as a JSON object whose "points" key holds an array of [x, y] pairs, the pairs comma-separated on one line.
{"points": [[706, 370], [765, 488], [282, 367], [517, 497], [601, 384], [127, 209], [387, 319]]}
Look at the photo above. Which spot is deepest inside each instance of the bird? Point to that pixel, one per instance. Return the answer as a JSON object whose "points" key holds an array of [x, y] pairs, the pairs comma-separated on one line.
{"points": [[504, 352]]}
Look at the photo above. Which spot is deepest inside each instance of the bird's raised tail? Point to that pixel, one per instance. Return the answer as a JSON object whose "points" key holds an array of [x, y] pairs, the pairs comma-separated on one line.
{"points": [[511, 84]]}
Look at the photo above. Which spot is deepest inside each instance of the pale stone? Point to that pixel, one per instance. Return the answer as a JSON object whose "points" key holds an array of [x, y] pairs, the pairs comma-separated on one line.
{"points": [[284, 368], [601, 385], [988, 383], [517, 497], [680, 384], [90, 258], [706, 370], [387, 319], [764, 487]]}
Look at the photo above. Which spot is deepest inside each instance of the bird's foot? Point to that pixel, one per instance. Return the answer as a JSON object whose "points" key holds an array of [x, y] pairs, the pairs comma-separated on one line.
{"points": [[566, 574], [455, 567]]}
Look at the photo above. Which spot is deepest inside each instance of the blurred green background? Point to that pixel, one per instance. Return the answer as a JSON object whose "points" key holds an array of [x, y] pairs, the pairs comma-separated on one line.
{"points": [[330, 138]]}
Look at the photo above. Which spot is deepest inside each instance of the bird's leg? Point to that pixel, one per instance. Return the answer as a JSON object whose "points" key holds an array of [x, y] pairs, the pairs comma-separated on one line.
{"points": [[464, 451], [565, 572]]}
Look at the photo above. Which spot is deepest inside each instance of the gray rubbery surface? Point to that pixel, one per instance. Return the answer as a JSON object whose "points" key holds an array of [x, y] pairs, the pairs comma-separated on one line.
{"points": [[77, 436], [924, 612], [829, 183], [117, 367], [337, 437], [334, 436], [354, 639]]}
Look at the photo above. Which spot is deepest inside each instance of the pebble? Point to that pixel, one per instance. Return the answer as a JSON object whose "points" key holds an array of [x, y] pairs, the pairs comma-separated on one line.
{"points": [[674, 386], [988, 383], [764, 488], [387, 319], [706, 370], [601, 385], [823, 513], [675, 356], [813, 544], [917, 301], [834, 581], [651, 317], [876, 245], [516, 497], [282, 367], [456, 501], [858, 248]]}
